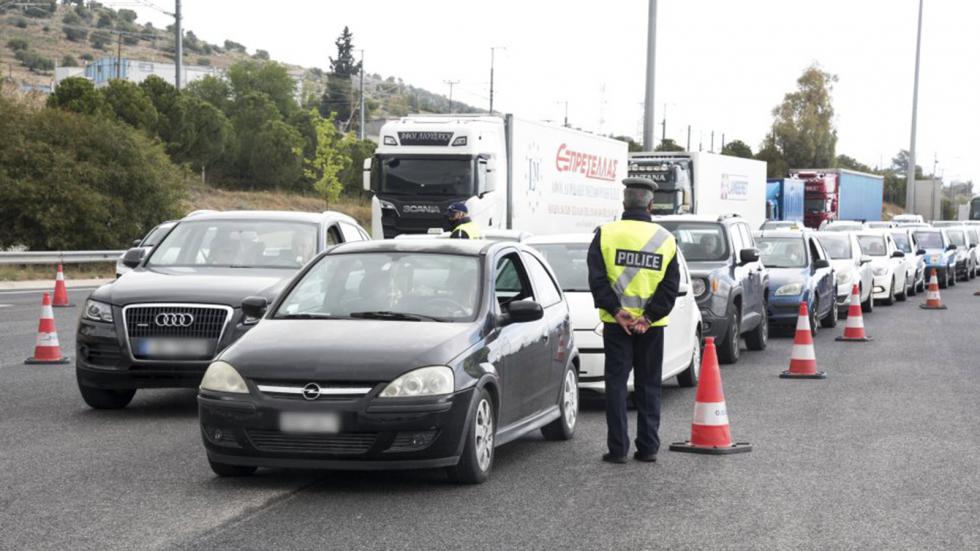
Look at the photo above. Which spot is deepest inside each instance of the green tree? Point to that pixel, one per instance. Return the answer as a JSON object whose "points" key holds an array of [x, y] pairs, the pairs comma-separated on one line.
{"points": [[850, 163], [17, 44], [344, 65], [78, 95], [776, 165], [208, 133], [802, 132], [261, 54], [213, 90], [632, 145], [269, 150], [330, 160], [737, 148], [130, 104], [669, 145], [266, 77], [69, 61], [338, 97]]}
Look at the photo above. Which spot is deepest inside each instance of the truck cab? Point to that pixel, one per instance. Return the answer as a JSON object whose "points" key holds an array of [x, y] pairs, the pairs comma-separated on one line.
{"points": [[673, 178]]}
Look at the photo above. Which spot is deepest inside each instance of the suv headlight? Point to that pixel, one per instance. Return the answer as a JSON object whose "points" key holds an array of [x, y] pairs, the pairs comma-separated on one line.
{"points": [[789, 289], [879, 270], [222, 377], [424, 381], [98, 311], [699, 287]]}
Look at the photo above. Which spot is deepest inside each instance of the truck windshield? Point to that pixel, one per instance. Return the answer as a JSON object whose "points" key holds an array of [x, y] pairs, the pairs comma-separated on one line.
{"points": [[975, 208], [699, 241], [568, 260], [427, 176], [838, 246], [782, 252], [929, 239], [237, 244], [665, 202], [956, 238], [816, 205]]}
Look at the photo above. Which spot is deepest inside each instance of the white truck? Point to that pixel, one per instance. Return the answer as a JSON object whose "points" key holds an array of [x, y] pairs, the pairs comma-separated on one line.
{"points": [[704, 183], [512, 173]]}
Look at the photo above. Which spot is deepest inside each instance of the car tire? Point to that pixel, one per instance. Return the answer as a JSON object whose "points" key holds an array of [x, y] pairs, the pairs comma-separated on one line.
{"points": [[812, 314], [758, 338], [231, 471], [477, 459], [890, 298], [868, 306], [830, 320], [729, 351], [944, 281], [689, 377], [563, 428], [106, 398], [901, 297], [952, 277]]}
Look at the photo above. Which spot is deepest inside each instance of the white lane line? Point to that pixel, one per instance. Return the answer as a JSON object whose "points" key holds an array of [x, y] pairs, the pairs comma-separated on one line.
{"points": [[5, 305], [39, 291]]}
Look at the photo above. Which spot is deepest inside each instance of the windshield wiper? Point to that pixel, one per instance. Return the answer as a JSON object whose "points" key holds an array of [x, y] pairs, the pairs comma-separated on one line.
{"points": [[306, 317], [396, 316]]}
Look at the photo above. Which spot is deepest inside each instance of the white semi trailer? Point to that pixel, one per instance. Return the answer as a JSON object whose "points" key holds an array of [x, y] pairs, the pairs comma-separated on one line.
{"points": [[704, 183], [512, 173]]}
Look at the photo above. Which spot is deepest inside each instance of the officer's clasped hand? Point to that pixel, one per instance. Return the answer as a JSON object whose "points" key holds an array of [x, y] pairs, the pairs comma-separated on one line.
{"points": [[631, 324]]}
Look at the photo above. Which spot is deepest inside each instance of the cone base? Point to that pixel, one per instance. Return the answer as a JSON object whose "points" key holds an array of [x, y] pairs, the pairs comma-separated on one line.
{"points": [[35, 361], [69, 305], [927, 307], [854, 339], [791, 375], [737, 447]]}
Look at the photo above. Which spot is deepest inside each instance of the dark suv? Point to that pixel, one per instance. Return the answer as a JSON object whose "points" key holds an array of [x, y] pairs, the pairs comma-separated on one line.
{"points": [[727, 277], [162, 323]]}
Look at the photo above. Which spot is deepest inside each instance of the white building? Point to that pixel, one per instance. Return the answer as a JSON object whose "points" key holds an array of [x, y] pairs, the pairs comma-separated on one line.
{"points": [[101, 71]]}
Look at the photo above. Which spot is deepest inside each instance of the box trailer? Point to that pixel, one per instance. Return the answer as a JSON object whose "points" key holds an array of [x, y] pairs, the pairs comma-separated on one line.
{"points": [[839, 194], [784, 199]]}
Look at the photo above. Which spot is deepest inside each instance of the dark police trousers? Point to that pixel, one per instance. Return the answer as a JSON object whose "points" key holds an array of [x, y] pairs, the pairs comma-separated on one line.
{"points": [[644, 354]]}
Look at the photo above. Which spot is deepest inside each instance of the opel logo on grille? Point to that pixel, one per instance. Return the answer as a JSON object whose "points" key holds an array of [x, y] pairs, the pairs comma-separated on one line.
{"points": [[174, 319], [311, 391]]}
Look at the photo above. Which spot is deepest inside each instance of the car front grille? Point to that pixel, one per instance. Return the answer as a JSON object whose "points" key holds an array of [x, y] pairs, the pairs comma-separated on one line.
{"points": [[208, 321], [323, 444]]}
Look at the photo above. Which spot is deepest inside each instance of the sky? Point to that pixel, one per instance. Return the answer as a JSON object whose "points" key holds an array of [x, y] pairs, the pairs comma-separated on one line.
{"points": [[721, 65]]}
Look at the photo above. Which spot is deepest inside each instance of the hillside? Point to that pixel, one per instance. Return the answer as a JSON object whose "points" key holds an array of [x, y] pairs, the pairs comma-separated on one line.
{"points": [[35, 39]]}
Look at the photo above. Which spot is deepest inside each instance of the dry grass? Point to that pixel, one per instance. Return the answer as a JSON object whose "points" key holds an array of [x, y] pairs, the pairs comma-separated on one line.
{"points": [[34, 272], [889, 210], [203, 197]]}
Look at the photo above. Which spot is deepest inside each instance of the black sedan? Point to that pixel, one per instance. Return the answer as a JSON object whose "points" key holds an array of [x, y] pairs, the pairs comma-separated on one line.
{"points": [[396, 355]]}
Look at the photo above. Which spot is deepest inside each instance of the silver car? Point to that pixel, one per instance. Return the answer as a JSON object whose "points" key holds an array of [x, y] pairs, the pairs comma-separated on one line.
{"points": [[852, 267]]}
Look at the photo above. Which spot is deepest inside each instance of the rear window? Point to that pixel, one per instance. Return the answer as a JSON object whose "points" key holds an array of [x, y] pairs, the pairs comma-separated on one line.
{"points": [[837, 246], [568, 261], [699, 241], [956, 237], [929, 239], [872, 245], [902, 241]]}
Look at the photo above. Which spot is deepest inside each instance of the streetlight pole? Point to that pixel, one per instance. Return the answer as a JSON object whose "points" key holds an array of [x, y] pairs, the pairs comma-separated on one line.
{"points": [[451, 83], [648, 121], [910, 177], [179, 41], [361, 126], [492, 51]]}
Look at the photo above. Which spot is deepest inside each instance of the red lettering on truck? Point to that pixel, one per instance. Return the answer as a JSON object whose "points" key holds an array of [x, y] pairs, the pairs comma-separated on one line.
{"points": [[592, 166]]}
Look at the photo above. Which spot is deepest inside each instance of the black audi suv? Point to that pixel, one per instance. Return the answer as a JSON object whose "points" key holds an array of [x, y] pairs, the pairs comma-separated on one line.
{"points": [[396, 354], [161, 324]]}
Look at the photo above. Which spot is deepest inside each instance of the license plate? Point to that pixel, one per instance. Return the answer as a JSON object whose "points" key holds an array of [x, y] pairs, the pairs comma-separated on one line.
{"points": [[322, 423], [173, 348]]}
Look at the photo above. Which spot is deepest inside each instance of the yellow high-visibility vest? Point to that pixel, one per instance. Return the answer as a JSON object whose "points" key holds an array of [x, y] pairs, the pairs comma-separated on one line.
{"points": [[636, 255], [472, 229]]}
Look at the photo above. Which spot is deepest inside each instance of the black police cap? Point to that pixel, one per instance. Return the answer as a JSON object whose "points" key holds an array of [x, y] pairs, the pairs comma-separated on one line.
{"points": [[640, 183]]}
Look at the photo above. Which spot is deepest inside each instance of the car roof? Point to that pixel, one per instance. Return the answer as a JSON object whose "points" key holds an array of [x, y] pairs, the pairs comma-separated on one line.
{"points": [[694, 218], [560, 238], [784, 233], [469, 247], [283, 215]]}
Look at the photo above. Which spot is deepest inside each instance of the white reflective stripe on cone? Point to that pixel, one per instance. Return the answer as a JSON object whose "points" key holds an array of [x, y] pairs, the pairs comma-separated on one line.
{"points": [[60, 276], [854, 321], [803, 323], [803, 352], [47, 312], [710, 413], [47, 339]]}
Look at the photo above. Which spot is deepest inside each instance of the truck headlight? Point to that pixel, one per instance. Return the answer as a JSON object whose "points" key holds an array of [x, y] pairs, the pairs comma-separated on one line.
{"points": [[98, 311], [879, 270], [425, 381], [789, 289], [222, 377], [698, 287]]}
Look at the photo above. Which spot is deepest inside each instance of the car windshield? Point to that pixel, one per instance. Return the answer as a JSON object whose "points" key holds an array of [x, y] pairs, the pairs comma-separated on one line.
{"points": [[782, 252], [872, 245], [902, 241], [568, 260], [956, 237], [837, 246], [237, 244], [387, 286], [929, 239], [430, 176], [699, 241]]}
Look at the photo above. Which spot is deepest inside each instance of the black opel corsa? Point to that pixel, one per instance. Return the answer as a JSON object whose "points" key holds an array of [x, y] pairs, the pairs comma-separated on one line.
{"points": [[396, 355]]}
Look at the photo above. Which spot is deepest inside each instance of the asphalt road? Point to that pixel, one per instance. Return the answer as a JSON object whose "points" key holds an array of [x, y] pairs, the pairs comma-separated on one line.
{"points": [[882, 454]]}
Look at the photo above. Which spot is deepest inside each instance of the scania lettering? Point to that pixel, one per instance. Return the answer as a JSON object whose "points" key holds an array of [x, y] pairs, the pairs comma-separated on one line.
{"points": [[512, 174]]}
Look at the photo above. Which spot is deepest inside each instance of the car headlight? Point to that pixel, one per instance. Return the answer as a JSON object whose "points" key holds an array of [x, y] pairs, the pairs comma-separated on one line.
{"points": [[222, 377], [843, 277], [98, 311], [699, 287], [424, 381], [879, 270], [935, 259], [789, 289]]}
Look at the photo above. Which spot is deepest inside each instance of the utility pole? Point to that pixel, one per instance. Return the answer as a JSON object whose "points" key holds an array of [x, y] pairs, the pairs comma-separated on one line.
{"points": [[688, 137], [663, 132], [119, 57], [492, 51], [712, 150], [451, 83], [722, 142], [360, 132], [566, 112], [179, 42], [910, 178], [648, 121]]}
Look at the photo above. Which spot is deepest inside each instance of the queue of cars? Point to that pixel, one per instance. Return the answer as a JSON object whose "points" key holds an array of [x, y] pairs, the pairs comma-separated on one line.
{"points": [[314, 347]]}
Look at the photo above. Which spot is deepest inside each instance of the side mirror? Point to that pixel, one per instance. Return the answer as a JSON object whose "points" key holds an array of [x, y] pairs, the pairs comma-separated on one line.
{"points": [[254, 308], [821, 263], [523, 311], [366, 174], [865, 260], [748, 255], [920, 252], [898, 254], [951, 247], [133, 257]]}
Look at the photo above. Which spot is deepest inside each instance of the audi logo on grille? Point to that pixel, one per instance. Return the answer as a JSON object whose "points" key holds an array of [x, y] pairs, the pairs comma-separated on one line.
{"points": [[174, 319], [311, 391]]}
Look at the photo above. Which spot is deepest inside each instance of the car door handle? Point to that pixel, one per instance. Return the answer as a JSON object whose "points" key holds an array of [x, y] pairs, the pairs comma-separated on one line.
{"points": [[545, 338]]}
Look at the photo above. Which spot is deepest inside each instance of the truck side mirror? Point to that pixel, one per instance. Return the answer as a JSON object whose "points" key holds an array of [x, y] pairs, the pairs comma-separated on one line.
{"points": [[366, 175], [133, 257]]}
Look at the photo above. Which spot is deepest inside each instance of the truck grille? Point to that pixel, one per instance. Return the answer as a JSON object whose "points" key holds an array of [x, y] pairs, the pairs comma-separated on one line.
{"points": [[206, 322], [323, 444]]}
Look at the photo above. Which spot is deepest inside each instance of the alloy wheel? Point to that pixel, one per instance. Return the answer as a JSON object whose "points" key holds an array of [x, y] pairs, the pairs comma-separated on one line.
{"points": [[570, 400], [483, 434]]}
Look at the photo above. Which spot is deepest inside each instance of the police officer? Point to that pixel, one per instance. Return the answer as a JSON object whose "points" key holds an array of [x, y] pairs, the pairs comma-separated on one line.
{"points": [[634, 278], [459, 224]]}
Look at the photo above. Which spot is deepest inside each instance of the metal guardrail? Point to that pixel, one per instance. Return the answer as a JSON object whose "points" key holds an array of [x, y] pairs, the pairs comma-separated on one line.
{"points": [[58, 257]]}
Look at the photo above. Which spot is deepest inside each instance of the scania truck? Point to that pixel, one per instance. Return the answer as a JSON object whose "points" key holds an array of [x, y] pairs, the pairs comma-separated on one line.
{"points": [[704, 183], [839, 194], [511, 173]]}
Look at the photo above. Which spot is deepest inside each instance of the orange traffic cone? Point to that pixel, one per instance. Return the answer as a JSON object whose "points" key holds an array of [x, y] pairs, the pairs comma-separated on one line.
{"points": [[854, 328], [803, 360], [46, 348], [709, 430], [933, 302], [60, 291]]}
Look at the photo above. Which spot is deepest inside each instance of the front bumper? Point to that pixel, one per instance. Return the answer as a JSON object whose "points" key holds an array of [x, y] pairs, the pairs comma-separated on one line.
{"points": [[882, 286], [785, 310], [592, 362], [374, 434]]}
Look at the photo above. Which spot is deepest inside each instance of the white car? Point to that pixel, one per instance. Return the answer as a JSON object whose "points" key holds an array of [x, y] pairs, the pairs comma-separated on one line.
{"points": [[150, 240], [852, 267], [915, 257], [887, 265], [966, 247], [682, 338], [842, 225], [907, 218]]}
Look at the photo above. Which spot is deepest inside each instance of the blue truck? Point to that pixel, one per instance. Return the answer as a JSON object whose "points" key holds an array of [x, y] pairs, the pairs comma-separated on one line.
{"points": [[839, 194], [784, 199]]}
